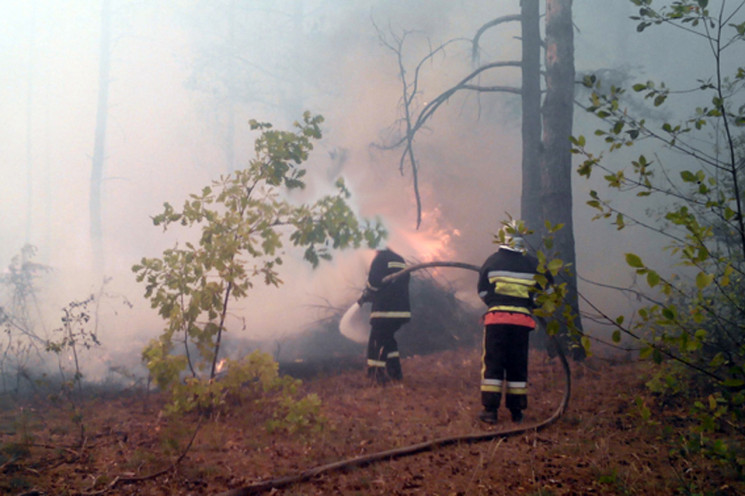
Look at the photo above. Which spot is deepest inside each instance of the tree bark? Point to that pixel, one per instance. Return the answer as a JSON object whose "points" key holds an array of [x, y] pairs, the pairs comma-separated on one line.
{"points": [[556, 163], [530, 208]]}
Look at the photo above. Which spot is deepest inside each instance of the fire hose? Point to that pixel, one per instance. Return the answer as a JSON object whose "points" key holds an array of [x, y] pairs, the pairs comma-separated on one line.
{"points": [[359, 461]]}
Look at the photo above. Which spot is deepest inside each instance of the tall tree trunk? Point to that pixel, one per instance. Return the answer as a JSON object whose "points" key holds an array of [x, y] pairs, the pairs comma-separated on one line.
{"points": [[99, 146], [556, 164], [530, 208]]}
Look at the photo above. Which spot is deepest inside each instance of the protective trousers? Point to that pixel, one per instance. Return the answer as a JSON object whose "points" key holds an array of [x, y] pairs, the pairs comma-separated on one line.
{"points": [[382, 351], [505, 366]]}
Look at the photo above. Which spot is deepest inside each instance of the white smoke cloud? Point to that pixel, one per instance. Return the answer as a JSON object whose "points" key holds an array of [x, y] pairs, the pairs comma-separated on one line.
{"points": [[161, 145]]}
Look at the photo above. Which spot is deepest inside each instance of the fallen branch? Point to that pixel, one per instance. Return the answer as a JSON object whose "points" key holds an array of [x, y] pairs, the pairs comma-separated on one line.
{"points": [[120, 479]]}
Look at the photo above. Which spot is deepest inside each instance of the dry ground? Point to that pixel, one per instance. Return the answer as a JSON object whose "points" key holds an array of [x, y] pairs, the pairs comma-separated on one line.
{"points": [[599, 446]]}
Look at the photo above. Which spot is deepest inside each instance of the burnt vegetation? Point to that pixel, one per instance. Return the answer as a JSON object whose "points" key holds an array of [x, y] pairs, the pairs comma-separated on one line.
{"points": [[440, 322]]}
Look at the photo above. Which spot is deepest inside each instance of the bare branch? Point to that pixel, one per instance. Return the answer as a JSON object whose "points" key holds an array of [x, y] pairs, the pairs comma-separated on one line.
{"points": [[410, 90], [487, 26], [431, 106], [492, 89]]}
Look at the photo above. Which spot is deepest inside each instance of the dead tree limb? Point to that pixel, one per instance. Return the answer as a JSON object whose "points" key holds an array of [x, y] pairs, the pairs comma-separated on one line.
{"points": [[486, 27], [412, 124]]}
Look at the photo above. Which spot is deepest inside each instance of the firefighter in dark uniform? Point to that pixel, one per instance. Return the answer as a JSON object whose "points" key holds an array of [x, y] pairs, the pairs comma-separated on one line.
{"points": [[390, 310], [506, 285]]}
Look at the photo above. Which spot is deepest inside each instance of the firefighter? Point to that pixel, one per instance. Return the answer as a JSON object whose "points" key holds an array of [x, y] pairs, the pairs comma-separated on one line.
{"points": [[390, 310], [506, 284]]}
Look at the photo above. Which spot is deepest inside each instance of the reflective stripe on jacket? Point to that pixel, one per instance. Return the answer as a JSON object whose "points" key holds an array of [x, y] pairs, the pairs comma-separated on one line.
{"points": [[390, 300], [506, 280]]}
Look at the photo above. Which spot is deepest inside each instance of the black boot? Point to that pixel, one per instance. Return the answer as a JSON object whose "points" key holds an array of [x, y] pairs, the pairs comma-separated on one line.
{"points": [[488, 416], [380, 376], [393, 368], [517, 415]]}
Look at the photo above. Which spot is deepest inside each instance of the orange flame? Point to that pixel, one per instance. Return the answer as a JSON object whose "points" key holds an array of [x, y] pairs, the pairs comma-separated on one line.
{"points": [[428, 244]]}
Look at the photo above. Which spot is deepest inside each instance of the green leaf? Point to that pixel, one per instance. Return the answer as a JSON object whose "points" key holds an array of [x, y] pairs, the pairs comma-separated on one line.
{"points": [[554, 266], [244, 219], [552, 327], [734, 383], [633, 260], [656, 356], [620, 223], [703, 280], [645, 352], [688, 176], [653, 278], [668, 313]]}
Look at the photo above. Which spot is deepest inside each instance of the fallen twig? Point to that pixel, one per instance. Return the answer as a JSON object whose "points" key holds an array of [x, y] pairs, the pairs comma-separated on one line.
{"points": [[125, 480]]}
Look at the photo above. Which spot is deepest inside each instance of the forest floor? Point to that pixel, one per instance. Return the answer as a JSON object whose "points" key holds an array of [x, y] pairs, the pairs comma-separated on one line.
{"points": [[600, 445]]}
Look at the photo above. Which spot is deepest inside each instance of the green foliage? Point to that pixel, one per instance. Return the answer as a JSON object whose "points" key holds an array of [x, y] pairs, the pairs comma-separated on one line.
{"points": [[693, 322], [552, 304], [239, 226], [252, 383], [243, 223], [296, 415], [245, 380]]}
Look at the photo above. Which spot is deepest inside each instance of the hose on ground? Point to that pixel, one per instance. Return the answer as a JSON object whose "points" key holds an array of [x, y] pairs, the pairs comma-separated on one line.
{"points": [[359, 461]]}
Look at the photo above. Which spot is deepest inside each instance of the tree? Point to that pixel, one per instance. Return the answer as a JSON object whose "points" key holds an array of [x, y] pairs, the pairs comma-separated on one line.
{"points": [[530, 210], [692, 320], [415, 119], [244, 220], [546, 196], [555, 191]]}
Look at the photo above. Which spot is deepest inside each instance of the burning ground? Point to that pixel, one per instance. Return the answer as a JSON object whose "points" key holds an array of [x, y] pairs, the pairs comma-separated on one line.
{"points": [[599, 446]]}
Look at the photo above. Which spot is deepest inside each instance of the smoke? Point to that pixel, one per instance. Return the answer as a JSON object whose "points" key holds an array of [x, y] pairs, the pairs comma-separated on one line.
{"points": [[166, 140]]}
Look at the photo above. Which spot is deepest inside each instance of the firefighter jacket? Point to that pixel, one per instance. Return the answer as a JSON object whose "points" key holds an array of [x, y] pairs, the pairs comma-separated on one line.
{"points": [[389, 300], [506, 280]]}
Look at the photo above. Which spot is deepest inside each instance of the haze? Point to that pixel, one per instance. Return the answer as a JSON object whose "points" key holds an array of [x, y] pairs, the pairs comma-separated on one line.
{"points": [[166, 136]]}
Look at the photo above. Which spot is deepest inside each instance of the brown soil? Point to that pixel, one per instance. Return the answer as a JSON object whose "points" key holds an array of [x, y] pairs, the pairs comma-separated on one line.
{"points": [[599, 446]]}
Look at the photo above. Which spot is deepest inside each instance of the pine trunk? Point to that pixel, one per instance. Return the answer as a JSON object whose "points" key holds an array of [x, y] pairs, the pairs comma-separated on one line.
{"points": [[556, 167]]}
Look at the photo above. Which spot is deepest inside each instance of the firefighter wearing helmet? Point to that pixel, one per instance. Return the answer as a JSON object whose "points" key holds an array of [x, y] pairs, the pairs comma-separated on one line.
{"points": [[390, 310], [506, 284]]}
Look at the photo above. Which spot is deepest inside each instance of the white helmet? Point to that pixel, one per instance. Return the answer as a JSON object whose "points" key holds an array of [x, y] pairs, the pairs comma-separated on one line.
{"points": [[515, 243], [511, 234]]}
